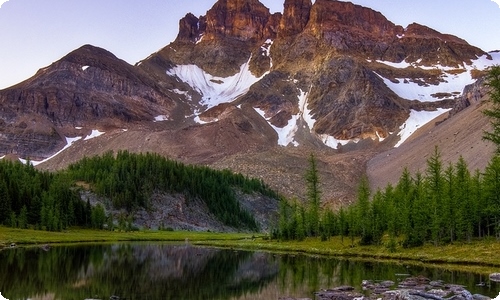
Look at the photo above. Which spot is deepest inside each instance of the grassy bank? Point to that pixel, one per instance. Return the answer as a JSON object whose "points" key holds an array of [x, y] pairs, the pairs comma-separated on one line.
{"points": [[478, 256], [34, 237]]}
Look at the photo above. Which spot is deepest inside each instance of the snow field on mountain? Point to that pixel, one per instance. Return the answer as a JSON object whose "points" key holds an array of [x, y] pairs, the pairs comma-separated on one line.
{"points": [[94, 134], [216, 90], [286, 135], [451, 84], [69, 143], [416, 120]]}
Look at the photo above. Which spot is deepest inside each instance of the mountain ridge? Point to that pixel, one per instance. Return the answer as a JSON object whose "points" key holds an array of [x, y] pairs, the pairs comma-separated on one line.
{"points": [[240, 83]]}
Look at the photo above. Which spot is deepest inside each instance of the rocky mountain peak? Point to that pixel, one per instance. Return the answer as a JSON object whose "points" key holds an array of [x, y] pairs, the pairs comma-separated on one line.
{"points": [[295, 17], [328, 17], [241, 19], [418, 30], [190, 29]]}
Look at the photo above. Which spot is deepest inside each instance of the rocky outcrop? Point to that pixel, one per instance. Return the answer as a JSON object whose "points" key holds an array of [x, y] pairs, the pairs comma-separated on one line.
{"points": [[244, 20], [411, 288], [295, 17], [472, 95]]}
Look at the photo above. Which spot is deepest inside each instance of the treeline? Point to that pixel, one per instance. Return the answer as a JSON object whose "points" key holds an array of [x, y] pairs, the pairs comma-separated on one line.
{"points": [[130, 179], [52, 201], [442, 205], [41, 199]]}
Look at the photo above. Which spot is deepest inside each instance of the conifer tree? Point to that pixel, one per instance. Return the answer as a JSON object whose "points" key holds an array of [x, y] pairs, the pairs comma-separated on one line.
{"points": [[313, 196], [363, 213], [4, 202], [493, 82], [492, 195], [434, 183]]}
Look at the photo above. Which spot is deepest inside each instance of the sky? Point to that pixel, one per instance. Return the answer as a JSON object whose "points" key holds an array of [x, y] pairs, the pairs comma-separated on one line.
{"points": [[35, 33]]}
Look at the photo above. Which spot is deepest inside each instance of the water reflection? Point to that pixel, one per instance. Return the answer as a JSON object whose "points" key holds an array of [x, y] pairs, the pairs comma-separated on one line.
{"points": [[163, 271]]}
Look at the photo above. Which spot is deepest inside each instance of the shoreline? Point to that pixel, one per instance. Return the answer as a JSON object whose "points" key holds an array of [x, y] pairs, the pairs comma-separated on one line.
{"points": [[477, 256]]}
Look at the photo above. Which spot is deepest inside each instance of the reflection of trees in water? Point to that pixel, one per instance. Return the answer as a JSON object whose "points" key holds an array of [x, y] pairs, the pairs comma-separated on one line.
{"points": [[161, 271], [134, 271]]}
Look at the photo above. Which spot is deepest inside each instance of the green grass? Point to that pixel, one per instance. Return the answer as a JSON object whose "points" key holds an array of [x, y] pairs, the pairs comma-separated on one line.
{"points": [[33, 237], [478, 256]]}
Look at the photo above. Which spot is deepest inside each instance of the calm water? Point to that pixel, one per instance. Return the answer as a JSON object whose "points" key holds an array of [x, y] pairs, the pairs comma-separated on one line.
{"points": [[165, 271]]}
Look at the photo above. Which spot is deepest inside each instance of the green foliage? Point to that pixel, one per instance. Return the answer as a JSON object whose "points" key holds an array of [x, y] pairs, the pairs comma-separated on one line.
{"points": [[130, 179], [313, 197], [493, 81], [98, 216], [441, 206], [51, 201], [29, 197]]}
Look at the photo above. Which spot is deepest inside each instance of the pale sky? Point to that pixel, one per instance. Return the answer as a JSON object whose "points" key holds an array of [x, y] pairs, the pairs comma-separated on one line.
{"points": [[35, 33]]}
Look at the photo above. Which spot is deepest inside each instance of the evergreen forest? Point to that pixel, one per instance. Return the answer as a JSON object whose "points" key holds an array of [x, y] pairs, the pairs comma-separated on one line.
{"points": [[52, 201], [445, 204]]}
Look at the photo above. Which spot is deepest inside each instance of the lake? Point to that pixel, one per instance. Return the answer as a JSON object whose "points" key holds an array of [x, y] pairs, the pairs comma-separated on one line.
{"points": [[182, 271]]}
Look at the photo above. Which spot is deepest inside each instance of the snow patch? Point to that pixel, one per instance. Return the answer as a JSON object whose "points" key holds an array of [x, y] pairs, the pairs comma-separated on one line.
{"points": [[216, 90], [334, 143], [85, 68], [266, 47], [2, 298], [69, 142], [286, 135], [380, 138], [305, 112], [451, 83], [79, 128], [200, 121], [199, 39], [94, 134], [416, 120], [161, 118]]}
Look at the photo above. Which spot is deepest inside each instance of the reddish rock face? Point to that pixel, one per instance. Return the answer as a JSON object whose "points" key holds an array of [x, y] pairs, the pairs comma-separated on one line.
{"points": [[295, 17], [328, 17], [241, 19]]}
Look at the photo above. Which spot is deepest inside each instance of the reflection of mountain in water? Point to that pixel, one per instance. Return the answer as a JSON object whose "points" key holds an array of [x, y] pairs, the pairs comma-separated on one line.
{"points": [[134, 271]]}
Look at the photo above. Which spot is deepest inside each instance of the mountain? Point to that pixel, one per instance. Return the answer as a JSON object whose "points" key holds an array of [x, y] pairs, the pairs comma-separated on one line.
{"points": [[256, 92]]}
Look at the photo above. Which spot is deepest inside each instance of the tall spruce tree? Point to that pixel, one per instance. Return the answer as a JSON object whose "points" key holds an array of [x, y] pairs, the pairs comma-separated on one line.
{"points": [[313, 196], [363, 212], [435, 188], [493, 82]]}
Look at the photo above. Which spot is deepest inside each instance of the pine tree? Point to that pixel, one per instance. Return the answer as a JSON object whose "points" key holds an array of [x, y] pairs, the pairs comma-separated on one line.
{"points": [[313, 196], [4, 202], [434, 187], [363, 212], [493, 81], [467, 210], [491, 193]]}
